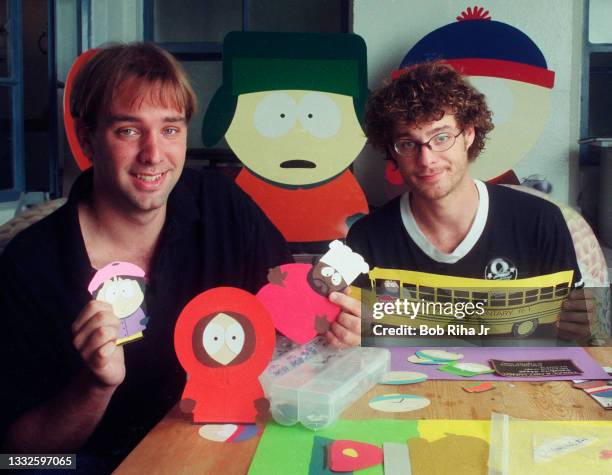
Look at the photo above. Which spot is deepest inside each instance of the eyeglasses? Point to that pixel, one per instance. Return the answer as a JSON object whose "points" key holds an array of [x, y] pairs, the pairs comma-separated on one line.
{"points": [[438, 143]]}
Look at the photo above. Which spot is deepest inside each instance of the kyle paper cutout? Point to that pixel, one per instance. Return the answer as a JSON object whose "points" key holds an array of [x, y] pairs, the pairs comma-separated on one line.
{"points": [[224, 339], [289, 108], [122, 284], [297, 294]]}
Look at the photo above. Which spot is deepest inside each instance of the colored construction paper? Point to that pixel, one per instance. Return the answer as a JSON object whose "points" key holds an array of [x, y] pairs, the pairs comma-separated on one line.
{"points": [[350, 455], [478, 387], [396, 459], [451, 442], [590, 368], [288, 449], [318, 457]]}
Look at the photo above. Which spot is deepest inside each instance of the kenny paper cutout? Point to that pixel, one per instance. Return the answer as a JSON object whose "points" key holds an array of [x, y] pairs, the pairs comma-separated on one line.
{"points": [[297, 294], [224, 339], [122, 284], [289, 108]]}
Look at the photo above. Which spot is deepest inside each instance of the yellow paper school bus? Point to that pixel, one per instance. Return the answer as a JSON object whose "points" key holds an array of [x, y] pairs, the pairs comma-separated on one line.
{"points": [[506, 307]]}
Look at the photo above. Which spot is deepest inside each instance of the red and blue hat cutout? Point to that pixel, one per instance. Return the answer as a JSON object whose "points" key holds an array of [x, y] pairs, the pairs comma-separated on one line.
{"points": [[477, 46]]}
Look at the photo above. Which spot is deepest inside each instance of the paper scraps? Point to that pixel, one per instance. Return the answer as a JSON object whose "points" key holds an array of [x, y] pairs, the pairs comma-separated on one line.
{"points": [[478, 387], [465, 369], [402, 377], [398, 402], [547, 449], [439, 355], [535, 368], [396, 459], [228, 432], [434, 357], [605, 455]]}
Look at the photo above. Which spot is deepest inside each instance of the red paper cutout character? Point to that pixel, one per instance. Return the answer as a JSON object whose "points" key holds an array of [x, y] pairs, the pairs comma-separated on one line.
{"points": [[297, 295], [224, 339]]}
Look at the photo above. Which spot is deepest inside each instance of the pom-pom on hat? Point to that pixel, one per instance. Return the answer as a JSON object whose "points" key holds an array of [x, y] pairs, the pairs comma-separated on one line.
{"points": [[344, 260], [477, 46], [114, 269]]}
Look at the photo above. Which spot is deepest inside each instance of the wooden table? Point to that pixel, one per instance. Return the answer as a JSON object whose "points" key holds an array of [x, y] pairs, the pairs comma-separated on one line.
{"points": [[174, 446]]}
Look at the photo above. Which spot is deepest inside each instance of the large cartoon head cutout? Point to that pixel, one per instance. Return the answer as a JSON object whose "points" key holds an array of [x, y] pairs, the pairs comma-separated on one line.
{"points": [[224, 333], [503, 63], [290, 108], [77, 152]]}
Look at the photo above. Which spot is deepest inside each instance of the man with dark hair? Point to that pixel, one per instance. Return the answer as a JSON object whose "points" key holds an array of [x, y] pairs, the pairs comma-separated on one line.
{"points": [[68, 385], [431, 122]]}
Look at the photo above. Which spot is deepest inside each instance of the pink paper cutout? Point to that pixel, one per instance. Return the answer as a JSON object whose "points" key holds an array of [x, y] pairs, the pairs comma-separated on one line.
{"points": [[295, 306]]}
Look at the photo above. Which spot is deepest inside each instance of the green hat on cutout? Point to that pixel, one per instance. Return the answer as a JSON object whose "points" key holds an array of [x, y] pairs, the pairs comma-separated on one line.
{"points": [[257, 61]]}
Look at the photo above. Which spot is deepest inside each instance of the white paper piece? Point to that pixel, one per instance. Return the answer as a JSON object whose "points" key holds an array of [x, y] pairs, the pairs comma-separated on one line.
{"points": [[546, 449]]}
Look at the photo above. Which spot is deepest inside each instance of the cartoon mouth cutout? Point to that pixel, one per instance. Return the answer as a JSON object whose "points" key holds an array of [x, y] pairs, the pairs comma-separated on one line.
{"points": [[298, 164]]}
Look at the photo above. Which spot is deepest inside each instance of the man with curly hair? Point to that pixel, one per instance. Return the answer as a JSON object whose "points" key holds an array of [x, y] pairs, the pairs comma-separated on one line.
{"points": [[432, 123]]}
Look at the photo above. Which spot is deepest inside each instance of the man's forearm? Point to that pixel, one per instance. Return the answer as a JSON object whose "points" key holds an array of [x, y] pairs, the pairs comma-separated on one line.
{"points": [[64, 423]]}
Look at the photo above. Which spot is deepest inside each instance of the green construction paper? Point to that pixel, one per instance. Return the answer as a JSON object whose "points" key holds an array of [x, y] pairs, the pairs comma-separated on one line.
{"points": [[288, 449]]}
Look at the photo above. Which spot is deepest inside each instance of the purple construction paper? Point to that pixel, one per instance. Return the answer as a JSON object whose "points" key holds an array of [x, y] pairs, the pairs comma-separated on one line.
{"points": [[590, 368]]}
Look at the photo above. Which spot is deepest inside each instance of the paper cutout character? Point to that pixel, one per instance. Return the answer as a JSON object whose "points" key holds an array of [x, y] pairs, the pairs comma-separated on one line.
{"points": [[77, 152], [505, 65], [297, 294], [289, 108], [224, 339], [351, 455], [122, 284]]}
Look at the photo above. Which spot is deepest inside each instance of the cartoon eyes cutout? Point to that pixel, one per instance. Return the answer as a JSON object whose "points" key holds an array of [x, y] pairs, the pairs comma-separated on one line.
{"points": [[116, 289], [216, 336], [336, 278], [277, 113]]}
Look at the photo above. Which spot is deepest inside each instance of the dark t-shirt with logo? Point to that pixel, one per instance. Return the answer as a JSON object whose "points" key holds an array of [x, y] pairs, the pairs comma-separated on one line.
{"points": [[524, 236]]}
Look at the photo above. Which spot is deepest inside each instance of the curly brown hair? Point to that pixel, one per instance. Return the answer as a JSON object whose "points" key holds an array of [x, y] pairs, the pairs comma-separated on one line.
{"points": [[424, 93]]}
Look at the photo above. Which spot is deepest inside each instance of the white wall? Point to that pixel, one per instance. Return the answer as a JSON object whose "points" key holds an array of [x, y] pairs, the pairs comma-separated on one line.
{"points": [[391, 27]]}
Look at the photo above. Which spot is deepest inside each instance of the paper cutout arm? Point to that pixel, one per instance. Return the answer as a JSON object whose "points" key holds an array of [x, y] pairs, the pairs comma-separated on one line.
{"points": [[262, 406], [322, 324], [187, 406], [276, 276]]}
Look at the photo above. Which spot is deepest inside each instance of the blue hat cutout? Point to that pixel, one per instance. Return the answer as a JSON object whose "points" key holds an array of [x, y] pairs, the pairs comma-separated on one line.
{"points": [[475, 35]]}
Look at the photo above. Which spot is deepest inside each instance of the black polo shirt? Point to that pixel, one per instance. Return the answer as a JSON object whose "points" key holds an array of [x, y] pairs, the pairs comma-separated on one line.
{"points": [[214, 235]]}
